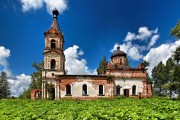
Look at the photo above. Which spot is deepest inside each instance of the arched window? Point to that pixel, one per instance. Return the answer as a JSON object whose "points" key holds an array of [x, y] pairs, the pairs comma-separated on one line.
{"points": [[53, 44], [53, 64], [100, 89], [133, 90], [68, 89], [120, 61], [84, 89], [118, 90]]}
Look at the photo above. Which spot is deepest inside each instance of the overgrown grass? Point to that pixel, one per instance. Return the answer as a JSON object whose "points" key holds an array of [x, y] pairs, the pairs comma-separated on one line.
{"points": [[105, 109]]}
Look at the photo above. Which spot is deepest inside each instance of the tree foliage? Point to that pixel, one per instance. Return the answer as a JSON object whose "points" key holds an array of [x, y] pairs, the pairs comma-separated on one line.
{"points": [[102, 66], [176, 55], [4, 86], [158, 76], [176, 30], [166, 77], [145, 64], [36, 78]]}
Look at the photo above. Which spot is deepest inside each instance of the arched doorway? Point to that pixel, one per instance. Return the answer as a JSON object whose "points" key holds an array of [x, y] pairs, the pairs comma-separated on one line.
{"points": [[68, 89], [133, 90], [118, 89], [101, 90], [84, 90], [51, 91], [126, 92]]}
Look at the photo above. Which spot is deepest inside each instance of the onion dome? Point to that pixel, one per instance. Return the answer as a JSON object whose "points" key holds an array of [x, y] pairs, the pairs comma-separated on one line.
{"points": [[118, 52]]}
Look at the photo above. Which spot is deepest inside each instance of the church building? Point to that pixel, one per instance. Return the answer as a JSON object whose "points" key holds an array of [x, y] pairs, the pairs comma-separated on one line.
{"points": [[118, 78]]}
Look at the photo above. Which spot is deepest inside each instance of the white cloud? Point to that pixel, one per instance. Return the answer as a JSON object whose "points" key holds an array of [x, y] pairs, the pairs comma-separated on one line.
{"points": [[161, 53], [4, 54], [134, 53], [135, 50], [73, 64], [153, 41], [60, 5], [130, 36], [28, 5], [143, 34], [19, 84], [31, 4]]}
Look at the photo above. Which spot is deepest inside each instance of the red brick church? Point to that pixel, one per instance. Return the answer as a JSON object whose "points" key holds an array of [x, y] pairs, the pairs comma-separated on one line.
{"points": [[118, 79]]}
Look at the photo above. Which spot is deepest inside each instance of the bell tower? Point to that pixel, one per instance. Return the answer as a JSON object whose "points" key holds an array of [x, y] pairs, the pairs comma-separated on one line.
{"points": [[54, 58]]}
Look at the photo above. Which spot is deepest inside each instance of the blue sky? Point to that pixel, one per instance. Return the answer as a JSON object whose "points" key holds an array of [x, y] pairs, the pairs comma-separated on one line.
{"points": [[94, 26]]}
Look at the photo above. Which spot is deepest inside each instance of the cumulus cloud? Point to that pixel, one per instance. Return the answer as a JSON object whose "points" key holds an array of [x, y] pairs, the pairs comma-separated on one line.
{"points": [[143, 34], [28, 5], [31, 4], [133, 49], [73, 64], [4, 55], [19, 84], [130, 36], [134, 53], [161, 53], [153, 41]]}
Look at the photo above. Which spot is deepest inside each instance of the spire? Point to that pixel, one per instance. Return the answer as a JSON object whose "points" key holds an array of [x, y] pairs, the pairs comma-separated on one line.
{"points": [[55, 24]]}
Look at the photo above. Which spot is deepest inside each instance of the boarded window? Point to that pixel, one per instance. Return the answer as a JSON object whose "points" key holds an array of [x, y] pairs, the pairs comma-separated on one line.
{"points": [[68, 89], [53, 64], [84, 89], [53, 44], [118, 88], [133, 90], [101, 90]]}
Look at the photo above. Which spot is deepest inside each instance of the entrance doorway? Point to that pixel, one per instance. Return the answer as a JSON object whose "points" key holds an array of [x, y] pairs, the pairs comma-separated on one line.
{"points": [[126, 92], [118, 90]]}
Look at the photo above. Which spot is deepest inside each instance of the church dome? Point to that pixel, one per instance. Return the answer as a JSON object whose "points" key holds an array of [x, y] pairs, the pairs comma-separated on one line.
{"points": [[118, 52]]}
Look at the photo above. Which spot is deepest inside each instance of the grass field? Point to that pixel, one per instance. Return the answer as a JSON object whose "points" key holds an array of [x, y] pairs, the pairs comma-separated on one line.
{"points": [[105, 109]]}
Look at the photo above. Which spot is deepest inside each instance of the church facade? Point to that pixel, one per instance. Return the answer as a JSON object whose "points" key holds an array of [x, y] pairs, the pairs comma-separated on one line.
{"points": [[118, 78]]}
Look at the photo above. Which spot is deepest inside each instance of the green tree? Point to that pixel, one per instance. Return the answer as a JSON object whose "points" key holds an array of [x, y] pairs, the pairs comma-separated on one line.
{"points": [[102, 66], [145, 64], [176, 30], [170, 84], [26, 94], [159, 78], [4, 86], [176, 55], [176, 75], [36, 78]]}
